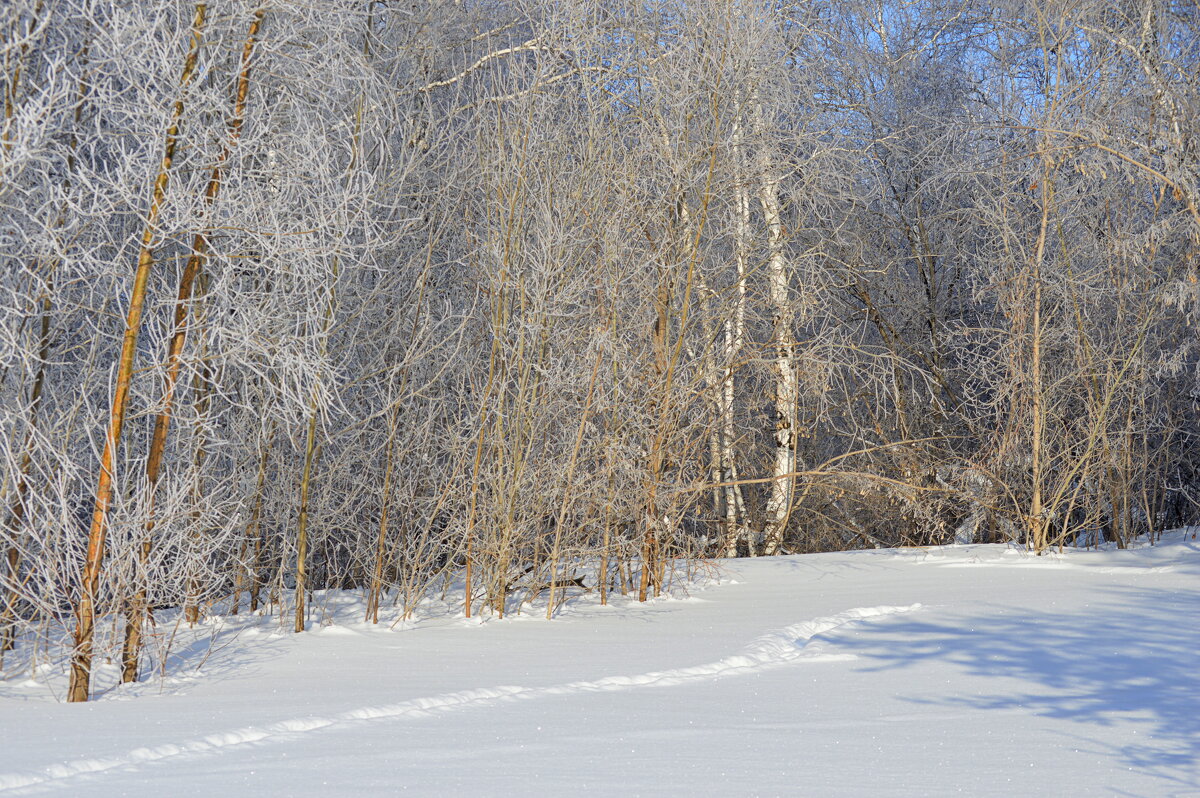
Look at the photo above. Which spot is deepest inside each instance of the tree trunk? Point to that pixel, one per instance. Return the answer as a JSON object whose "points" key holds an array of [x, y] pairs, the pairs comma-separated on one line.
{"points": [[85, 611], [136, 614], [385, 500], [735, 333], [655, 464], [1037, 515], [302, 521], [254, 528], [779, 503]]}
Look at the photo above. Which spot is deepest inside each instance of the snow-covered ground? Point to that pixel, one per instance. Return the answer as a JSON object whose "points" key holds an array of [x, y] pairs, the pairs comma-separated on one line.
{"points": [[979, 670]]}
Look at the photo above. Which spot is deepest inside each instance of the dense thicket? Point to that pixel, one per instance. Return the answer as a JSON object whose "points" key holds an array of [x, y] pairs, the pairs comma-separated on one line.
{"points": [[369, 295]]}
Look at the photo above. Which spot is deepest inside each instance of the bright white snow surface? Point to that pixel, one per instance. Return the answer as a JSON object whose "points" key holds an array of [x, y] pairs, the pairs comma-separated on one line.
{"points": [[980, 670]]}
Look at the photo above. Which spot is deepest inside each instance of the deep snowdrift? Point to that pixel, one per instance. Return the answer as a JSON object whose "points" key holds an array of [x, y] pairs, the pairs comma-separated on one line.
{"points": [[980, 670]]}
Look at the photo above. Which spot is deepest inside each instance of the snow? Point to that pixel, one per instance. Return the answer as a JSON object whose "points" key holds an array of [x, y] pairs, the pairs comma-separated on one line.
{"points": [[980, 670]]}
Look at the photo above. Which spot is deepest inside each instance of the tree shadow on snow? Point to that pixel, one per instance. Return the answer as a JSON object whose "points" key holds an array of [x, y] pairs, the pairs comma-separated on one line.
{"points": [[1131, 657]]}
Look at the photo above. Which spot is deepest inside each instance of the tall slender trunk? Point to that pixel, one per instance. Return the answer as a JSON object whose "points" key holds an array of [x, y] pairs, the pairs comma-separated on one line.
{"points": [[136, 613], [1037, 514], [712, 382], [254, 528], [385, 505], [562, 510], [494, 367], [468, 535], [666, 357], [656, 461], [202, 385], [85, 611], [735, 333], [606, 545], [310, 451], [779, 503], [310, 447]]}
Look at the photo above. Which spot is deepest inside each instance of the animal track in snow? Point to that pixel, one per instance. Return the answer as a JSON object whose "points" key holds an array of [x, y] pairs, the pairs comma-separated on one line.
{"points": [[771, 650]]}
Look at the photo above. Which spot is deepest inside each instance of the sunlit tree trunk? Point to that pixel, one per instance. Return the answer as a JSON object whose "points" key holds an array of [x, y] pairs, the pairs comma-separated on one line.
{"points": [[735, 334], [787, 392], [81, 660], [136, 613]]}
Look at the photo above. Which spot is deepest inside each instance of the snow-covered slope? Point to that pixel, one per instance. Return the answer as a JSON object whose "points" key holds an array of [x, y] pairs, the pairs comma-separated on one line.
{"points": [[979, 670]]}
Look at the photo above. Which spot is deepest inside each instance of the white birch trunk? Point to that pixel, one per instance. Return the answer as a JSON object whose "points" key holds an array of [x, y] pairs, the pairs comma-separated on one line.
{"points": [[779, 503], [735, 333]]}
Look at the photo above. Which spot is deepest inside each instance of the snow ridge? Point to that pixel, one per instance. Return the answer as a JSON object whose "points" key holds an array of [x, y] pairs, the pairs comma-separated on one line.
{"points": [[771, 650]]}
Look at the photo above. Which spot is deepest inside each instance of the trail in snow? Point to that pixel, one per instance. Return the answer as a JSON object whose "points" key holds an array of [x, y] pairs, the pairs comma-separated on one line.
{"points": [[772, 650]]}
